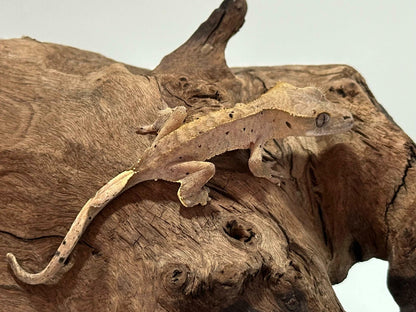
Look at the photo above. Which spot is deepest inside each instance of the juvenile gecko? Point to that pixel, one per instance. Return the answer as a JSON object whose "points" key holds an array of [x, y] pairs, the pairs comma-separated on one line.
{"points": [[179, 153]]}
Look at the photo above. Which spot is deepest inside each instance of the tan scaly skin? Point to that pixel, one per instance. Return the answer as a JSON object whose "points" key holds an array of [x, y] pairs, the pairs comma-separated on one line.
{"points": [[179, 153]]}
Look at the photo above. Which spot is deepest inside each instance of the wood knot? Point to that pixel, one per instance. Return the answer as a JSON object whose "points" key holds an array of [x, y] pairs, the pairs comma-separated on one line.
{"points": [[239, 231], [291, 302], [176, 277], [183, 82], [346, 89]]}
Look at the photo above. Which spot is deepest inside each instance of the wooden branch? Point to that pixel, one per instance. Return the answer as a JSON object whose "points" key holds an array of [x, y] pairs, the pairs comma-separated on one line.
{"points": [[68, 121]]}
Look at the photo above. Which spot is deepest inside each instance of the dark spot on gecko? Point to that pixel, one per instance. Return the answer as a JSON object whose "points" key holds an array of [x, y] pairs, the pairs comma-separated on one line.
{"points": [[199, 145], [227, 132], [180, 157], [187, 173], [66, 261], [89, 218], [231, 115], [182, 79], [197, 118], [261, 113], [288, 125], [251, 130], [61, 259], [244, 129], [64, 242], [57, 254], [155, 146]]}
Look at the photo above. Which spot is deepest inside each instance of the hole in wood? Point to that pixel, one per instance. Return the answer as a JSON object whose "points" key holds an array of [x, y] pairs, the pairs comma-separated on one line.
{"points": [[176, 276], [239, 232]]}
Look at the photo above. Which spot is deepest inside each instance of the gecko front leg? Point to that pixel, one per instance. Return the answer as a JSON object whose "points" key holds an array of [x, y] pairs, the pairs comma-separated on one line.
{"points": [[169, 119], [259, 168]]}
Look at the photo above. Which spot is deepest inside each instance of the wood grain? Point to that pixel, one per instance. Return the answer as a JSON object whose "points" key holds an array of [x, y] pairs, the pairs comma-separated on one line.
{"points": [[68, 121]]}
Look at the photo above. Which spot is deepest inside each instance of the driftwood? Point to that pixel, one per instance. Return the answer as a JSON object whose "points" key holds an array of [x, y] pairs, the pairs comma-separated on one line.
{"points": [[68, 122]]}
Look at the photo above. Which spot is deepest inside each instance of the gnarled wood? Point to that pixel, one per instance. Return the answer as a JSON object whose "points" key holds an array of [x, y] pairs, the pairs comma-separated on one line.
{"points": [[68, 122]]}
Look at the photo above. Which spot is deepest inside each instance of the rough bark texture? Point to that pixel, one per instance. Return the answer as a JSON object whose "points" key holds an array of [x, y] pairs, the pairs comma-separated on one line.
{"points": [[67, 125]]}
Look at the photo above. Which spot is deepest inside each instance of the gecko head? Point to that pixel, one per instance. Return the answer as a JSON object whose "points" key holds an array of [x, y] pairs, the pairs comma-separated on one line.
{"points": [[328, 121], [319, 116]]}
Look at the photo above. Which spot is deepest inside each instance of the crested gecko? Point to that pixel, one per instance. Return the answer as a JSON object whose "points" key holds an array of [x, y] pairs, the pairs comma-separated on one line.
{"points": [[179, 153]]}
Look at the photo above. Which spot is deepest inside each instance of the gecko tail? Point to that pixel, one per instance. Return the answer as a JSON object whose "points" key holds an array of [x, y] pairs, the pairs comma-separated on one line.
{"points": [[26, 277], [93, 206]]}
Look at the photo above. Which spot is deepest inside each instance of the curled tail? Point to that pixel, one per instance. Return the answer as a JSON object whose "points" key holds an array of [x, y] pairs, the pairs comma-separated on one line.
{"points": [[93, 206]]}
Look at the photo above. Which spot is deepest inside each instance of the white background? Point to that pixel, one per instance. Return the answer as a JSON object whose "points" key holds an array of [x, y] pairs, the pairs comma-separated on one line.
{"points": [[377, 37]]}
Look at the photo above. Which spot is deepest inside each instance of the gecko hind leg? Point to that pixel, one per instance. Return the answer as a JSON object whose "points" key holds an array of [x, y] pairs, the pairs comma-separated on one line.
{"points": [[192, 175], [169, 119], [259, 168]]}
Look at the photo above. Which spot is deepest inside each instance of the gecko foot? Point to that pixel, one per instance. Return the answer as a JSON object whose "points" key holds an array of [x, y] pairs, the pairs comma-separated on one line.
{"points": [[200, 198], [274, 180], [273, 176], [146, 129]]}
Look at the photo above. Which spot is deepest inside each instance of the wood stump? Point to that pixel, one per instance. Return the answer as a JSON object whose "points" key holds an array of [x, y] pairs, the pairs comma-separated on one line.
{"points": [[68, 122]]}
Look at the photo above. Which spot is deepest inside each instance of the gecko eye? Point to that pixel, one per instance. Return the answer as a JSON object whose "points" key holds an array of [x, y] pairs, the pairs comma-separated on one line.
{"points": [[322, 119]]}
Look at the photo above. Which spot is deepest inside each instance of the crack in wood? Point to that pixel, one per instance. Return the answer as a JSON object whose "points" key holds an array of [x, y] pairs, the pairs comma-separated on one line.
{"points": [[221, 191], [282, 229], [215, 28], [409, 164], [170, 92], [29, 239]]}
